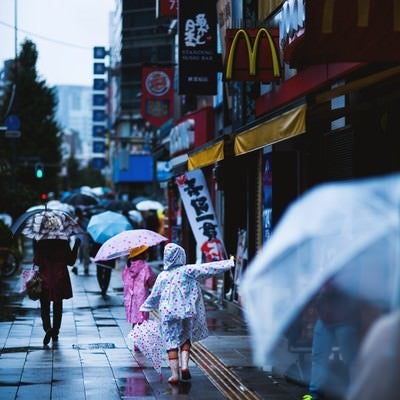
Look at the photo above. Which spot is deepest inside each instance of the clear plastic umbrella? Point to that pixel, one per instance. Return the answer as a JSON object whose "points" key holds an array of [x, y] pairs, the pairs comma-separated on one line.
{"points": [[347, 233], [147, 338]]}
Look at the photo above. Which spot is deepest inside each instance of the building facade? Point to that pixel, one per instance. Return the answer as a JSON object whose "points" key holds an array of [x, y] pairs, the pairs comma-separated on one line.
{"points": [[74, 112], [138, 38]]}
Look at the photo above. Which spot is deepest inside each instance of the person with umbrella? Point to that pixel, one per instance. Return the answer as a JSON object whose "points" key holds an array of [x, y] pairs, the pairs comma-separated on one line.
{"points": [[50, 231], [178, 298], [138, 278], [100, 228]]}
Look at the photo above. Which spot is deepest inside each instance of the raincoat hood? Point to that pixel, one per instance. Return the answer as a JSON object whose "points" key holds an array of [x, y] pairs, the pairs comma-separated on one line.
{"points": [[135, 267], [174, 256]]}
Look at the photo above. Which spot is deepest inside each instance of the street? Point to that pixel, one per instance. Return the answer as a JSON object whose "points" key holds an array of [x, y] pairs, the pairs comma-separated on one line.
{"points": [[93, 357]]}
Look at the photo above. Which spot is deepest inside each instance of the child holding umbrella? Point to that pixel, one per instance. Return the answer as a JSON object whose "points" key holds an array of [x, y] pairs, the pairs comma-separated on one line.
{"points": [[138, 278]]}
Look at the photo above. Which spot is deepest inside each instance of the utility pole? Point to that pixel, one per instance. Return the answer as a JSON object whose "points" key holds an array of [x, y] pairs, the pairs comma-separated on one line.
{"points": [[13, 140]]}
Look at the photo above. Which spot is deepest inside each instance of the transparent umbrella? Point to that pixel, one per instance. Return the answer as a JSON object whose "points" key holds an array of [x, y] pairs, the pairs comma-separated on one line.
{"points": [[147, 338], [346, 233]]}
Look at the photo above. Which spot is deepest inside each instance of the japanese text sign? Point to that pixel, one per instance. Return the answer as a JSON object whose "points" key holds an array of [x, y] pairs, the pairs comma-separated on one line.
{"points": [[200, 212]]}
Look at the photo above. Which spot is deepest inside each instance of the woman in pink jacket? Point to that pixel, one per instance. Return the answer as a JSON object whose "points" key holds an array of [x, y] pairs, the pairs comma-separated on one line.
{"points": [[138, 279]]}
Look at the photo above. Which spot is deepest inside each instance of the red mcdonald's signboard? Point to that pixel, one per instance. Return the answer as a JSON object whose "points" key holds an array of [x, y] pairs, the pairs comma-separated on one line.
{"points": [[352, 31], [167, 8], [157, 94], [252, 55]]}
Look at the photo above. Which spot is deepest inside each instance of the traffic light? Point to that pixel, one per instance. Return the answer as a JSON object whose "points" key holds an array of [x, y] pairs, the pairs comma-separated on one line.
{"points": [[43, 196], [39, 170]]}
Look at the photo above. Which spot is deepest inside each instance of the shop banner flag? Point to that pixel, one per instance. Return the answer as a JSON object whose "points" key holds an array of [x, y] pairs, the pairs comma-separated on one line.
{"points": [[200, 212], [157, 95], [198, 60]]}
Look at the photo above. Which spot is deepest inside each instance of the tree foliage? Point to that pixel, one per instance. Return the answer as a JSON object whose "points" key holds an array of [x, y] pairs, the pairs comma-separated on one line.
{"points": [[35, 105], [78, 177]]}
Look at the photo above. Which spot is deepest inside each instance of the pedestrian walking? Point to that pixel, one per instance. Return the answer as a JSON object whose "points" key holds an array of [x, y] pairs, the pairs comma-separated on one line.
{"points": [[338, 322], [177, 296], [52, 256], [103, 268], [84, 251], [138, 278]]}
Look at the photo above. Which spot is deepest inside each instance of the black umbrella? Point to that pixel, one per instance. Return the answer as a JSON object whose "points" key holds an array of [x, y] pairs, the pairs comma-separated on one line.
{"points": [[119, 205], [81, 199]]}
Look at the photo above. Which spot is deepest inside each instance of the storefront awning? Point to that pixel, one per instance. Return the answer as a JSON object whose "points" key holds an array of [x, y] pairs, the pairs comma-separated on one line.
{"points": [[285, 126], [206, 156]]}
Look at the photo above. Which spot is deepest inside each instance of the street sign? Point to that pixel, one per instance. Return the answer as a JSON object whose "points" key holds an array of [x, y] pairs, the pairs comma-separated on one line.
{"points": [[99, 84], [99, 115], [13, 123], [99, 130], [99, 68], [99, 100], [99, 52], [13, 134], [98, 163]]}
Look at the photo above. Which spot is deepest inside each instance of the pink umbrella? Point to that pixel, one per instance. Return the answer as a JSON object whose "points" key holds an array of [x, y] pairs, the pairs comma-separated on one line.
{"points": [[121, 244], [147, 338]]}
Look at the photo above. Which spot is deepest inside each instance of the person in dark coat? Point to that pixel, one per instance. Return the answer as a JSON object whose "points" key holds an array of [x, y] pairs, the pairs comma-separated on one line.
{"points": [[52, 256]]}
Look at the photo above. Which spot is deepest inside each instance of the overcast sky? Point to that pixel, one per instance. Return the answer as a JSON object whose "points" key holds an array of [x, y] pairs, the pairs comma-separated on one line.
{"points": [[81, 23]]}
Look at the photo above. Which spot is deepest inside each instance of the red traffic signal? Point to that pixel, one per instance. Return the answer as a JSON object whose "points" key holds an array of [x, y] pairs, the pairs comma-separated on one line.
{"points": [[43, 196]]}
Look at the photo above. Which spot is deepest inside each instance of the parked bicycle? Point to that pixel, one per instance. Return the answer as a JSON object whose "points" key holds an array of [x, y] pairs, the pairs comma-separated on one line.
{"points": [[10, 252], [9, 262]]}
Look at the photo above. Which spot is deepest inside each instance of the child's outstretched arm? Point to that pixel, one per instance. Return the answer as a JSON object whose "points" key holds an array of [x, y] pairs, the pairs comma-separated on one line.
{"points": [[209, 269]]}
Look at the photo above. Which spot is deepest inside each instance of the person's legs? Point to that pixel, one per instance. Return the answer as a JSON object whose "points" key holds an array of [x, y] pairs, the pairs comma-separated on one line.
{"points": [[45, 314], [57, 317], [185, 354], [173, 360], [347, 337], [103, 278], [321, 350]]}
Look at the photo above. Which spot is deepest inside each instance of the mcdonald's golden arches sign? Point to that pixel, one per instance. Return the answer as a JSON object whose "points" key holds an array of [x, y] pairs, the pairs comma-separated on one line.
{"points": [[252, 55]]}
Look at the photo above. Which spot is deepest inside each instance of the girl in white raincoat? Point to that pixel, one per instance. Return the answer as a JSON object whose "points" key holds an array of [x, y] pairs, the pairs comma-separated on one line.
{"points": [[177, 296]]}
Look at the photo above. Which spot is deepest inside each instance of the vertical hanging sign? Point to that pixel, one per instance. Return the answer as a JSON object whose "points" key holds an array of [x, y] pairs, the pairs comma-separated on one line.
{"points": [[157, 94], [200, 211], [197, 47]]}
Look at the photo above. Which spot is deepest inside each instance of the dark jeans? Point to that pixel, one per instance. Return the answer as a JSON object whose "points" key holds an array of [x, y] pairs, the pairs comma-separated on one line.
{"points": [[103, 278], [45, 314]]}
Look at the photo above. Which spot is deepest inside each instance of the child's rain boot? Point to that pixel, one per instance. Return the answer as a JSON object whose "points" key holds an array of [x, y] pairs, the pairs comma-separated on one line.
{"points": [[174, 366]]}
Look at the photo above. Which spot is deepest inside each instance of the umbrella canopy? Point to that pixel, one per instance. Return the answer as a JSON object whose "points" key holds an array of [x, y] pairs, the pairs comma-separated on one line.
{"points": [[136, 216], [347, 233], [19, 223], [146, 205], [138, 199], [81, 199], [50, 224], [57, 205], [105, 225], [147, 338], [121, 244], [119, 205]]}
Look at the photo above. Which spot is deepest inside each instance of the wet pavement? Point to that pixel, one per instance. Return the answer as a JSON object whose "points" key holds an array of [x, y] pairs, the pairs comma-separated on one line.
{"points": [[94, 359]]}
